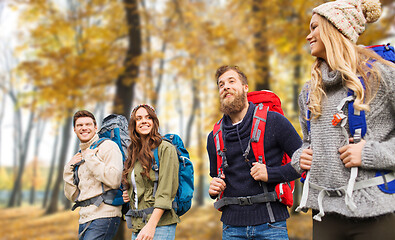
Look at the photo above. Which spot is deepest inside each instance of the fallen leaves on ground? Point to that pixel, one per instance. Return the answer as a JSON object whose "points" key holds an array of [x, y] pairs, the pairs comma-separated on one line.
{"points": [[200, 223]]}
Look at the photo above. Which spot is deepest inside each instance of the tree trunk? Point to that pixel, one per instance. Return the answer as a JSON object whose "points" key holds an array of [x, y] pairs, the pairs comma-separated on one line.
{"points": [[261, 46], [126, 81], [200, 166], [53, 205], [297, 81], [2, 110], [32, 196], [161, 73], [195, 106], [39, 130], [51, 169], [23, 148]]}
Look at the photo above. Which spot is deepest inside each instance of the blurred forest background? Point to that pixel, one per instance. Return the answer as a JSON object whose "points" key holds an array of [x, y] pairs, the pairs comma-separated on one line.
{"points": [[106, 56]]}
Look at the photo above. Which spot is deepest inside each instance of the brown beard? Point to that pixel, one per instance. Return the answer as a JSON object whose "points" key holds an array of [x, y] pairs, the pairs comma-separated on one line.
{"points": [[235, 106]]}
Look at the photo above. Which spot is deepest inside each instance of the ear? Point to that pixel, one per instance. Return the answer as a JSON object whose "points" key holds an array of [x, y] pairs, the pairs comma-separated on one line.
{"points": [[246, 88]]}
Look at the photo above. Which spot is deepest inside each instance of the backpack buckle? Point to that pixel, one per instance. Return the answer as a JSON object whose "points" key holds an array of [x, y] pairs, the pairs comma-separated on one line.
{"points": [[337, 118], [244, 201], [334, 192]]}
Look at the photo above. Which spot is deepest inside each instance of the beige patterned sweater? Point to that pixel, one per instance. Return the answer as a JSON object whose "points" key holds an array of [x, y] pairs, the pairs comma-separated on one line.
{"points": [[103, 167]]}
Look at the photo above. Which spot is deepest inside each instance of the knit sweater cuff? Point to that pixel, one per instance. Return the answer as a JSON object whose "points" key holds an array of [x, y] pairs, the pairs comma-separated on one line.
{"points": [[368, 155], [296, 160]]}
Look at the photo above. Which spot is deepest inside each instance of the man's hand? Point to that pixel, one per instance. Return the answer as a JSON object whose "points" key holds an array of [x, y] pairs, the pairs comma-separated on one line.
{"points": [[306, 159], [75, 159], [88, 153], [125, 196], [217, 185], [259, 172], [351, 154]]}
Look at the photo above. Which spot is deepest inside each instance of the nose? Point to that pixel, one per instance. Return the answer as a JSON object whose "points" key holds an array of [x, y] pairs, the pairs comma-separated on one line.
{"points": [[309, 37], [226, 85]]}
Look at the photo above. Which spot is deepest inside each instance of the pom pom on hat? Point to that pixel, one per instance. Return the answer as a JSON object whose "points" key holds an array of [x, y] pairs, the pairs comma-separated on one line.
{"points": [[350, 16], [371, 10]]}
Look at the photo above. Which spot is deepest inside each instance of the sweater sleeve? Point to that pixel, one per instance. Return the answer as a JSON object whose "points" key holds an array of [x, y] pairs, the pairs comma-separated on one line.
{"points": [[168, 176], [379, 151], [107, 164], [303, 123], [289, 141], [70, 189]]}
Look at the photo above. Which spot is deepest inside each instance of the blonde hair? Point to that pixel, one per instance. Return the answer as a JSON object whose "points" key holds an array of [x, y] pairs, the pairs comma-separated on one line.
{"points": [[349, 59]]}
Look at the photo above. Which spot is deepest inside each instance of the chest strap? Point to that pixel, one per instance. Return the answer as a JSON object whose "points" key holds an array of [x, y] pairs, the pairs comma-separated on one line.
{"points": [[342, 191], [106, 197], [143, 213], [137, 213], [249, 200]]}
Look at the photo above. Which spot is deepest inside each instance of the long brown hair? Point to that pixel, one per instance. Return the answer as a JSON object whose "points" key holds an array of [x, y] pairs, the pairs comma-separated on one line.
{"points": [[140, 149]]}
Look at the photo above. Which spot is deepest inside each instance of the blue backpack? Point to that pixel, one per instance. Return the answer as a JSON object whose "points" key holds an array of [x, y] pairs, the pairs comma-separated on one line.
{"points": [[115, 128], [183, 200], [357, 122]]}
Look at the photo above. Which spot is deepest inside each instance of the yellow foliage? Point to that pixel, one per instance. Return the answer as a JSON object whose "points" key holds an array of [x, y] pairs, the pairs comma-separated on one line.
{"points": [[73, 56]]}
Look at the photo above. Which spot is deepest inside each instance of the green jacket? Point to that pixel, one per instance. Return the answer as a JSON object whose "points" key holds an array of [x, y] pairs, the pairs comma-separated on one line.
{"points": [[167, 187]]}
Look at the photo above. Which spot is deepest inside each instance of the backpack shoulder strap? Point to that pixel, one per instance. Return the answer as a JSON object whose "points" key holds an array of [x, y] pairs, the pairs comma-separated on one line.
{"points": [[258, 132], [155, 167], [98, 142], [308, 112], [356, 119], [220, 148]]}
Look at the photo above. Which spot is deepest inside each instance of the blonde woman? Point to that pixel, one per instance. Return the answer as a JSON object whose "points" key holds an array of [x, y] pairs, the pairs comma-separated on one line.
{"points": [[336, 161]]}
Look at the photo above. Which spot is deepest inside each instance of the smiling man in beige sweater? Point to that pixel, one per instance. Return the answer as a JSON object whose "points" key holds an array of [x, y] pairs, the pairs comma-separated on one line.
{"points": [[99, 170]]}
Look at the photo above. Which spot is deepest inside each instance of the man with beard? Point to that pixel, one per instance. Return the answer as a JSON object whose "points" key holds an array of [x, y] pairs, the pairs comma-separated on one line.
{"points": [[243, 177]]}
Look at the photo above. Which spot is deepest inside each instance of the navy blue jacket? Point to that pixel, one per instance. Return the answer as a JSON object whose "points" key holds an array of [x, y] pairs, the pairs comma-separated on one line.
{"points": [[280, 137]]}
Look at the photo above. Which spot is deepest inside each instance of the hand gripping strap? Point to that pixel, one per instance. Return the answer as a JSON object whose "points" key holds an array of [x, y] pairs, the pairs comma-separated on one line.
{"points": [[258, 132]]}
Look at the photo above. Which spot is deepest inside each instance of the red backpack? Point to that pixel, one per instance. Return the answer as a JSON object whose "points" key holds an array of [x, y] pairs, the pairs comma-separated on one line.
{"points": [[265, 101]]}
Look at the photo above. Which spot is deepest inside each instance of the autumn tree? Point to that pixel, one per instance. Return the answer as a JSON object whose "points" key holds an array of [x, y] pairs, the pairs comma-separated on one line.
{"points": [[72, 59], [127, 79]]}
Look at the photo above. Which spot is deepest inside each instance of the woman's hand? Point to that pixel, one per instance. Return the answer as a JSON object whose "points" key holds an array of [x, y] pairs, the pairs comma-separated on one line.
{"points": [[351, 154], [306, 158], [147, 232], [125, 196]]}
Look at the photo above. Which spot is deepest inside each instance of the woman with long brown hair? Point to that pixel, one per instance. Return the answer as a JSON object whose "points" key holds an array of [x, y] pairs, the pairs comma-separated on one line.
{"points": [[152, 214]]}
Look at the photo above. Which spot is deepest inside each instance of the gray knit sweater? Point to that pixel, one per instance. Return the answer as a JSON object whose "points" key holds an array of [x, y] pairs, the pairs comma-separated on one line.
{"points": [[327, 169]]}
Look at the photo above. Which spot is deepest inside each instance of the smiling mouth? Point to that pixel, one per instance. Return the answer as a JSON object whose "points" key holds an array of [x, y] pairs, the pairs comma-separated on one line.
{"points": [[227, 95]]}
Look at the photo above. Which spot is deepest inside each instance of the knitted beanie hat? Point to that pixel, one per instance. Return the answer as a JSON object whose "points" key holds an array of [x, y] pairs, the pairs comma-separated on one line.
{"points": [[350, 16]]}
